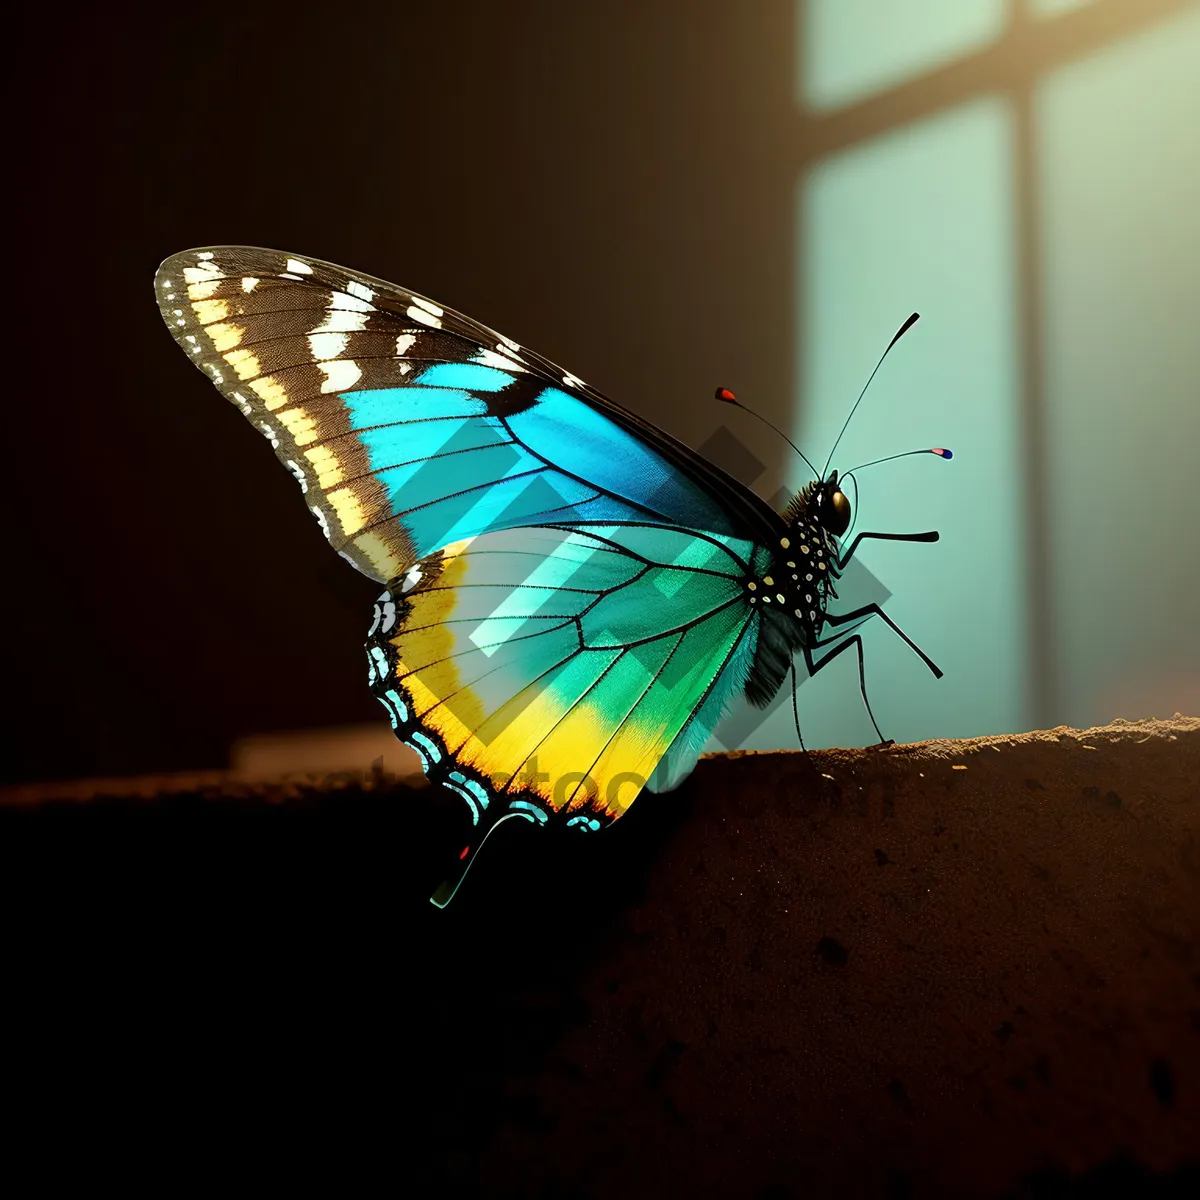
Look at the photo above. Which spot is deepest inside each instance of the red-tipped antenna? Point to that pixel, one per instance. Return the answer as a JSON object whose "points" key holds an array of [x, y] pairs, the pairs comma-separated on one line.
{"points": [[725, 395]]}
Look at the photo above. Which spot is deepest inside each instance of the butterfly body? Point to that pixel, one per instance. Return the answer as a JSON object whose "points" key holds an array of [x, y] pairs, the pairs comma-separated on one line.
{"points": [[572, 598]]}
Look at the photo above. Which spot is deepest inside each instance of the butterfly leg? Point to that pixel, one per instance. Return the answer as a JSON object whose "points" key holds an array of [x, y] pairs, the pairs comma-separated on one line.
{"points": [[869, 610], [930, 535], [816, 664]]}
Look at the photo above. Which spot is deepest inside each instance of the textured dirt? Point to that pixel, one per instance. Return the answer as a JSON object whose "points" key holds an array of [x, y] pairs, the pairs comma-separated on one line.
{"points": [[944, 969], [944, 966]]}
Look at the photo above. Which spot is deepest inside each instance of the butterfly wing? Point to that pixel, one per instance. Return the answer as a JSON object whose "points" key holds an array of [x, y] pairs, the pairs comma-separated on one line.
{"points": [[543, 672], [566, 598], [410, 427]]}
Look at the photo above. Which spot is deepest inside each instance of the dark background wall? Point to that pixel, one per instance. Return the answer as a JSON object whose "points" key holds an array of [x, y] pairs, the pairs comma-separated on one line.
{"points": [[662, 197], [597, 180]]}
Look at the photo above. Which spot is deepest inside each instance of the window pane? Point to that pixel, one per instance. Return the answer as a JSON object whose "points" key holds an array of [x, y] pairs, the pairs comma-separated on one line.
{"points": [[851, 48], [921, 220], [1121, 252]]}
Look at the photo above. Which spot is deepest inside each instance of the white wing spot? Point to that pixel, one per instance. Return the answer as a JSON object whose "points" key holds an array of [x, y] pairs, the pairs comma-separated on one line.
{"points": [[353, 303], [490, 358], [327, 345], [301, 268], [287, 275], [340, 374], [360, 290], [426, 318], [411, 579], [299, 474], [338, 320], [249, 283], [324, 524], [428, 306], [270, 436], [389, 615], [404, 343], [573, 380]]}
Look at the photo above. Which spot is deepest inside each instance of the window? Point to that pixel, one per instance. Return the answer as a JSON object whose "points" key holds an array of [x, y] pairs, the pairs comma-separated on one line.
{"points": [[1025, 173]]}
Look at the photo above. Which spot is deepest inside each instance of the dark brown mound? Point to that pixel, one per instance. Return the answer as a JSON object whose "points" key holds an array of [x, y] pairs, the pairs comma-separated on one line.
{"points": [[952, 968]]}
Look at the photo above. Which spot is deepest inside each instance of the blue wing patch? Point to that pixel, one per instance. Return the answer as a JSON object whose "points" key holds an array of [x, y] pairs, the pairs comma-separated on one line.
{"points": [[411, 427]]}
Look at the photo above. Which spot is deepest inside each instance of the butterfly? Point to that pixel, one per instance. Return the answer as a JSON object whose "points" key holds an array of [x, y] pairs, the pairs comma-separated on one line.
{"points": [[572, 598]]}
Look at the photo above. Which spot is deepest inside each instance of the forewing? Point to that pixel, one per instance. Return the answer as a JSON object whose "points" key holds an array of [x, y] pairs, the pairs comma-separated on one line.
{"points": [[410, 427]]}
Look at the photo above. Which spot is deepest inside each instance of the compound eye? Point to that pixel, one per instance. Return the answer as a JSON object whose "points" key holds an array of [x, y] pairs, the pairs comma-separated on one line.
{"points": [[837, 517]]}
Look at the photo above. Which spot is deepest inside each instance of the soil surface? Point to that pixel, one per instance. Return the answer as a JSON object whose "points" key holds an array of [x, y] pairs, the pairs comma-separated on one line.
{"points": [[943, 969]]}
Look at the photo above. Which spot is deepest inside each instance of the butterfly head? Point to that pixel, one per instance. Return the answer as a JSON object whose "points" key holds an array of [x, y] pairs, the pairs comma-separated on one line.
{"points": [[831, 507], [820, 512]]}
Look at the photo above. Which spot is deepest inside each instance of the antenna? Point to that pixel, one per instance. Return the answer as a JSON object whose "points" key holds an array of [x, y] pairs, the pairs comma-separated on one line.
{"points": [[899, 334], [725, 395], [940, 451]]}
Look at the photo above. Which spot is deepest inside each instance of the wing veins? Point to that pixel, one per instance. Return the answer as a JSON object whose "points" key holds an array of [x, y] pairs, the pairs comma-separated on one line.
{"points": [[628, 713]]}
